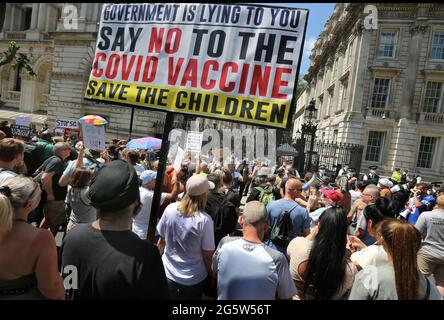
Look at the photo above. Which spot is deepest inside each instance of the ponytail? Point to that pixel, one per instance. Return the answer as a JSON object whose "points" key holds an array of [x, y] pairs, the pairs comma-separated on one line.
{"points": [[403, 242]]}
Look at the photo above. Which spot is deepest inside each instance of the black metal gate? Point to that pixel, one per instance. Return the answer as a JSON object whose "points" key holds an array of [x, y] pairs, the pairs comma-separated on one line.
{"points": [[332, 155]]}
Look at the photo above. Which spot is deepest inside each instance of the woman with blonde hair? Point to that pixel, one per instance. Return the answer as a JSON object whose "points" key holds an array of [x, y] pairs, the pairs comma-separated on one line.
{"points": [[28, 256], [400, 278], [187, 241]]}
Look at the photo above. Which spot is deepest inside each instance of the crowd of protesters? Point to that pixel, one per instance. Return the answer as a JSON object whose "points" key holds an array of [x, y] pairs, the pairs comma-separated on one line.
{"points": [[226, 229]]}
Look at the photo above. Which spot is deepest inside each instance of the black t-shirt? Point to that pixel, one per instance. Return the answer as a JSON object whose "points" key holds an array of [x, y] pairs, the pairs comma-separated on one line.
{"points": [[112, 265], [56, 165]]}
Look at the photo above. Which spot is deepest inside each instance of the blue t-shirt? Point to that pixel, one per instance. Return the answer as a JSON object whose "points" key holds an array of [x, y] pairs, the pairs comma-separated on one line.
{"points": [[428, 202], [298, 216]]}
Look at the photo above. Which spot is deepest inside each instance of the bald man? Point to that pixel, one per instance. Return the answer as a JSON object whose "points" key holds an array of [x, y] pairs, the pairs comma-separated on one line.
{"points": [[248, 270], [298, 214]]}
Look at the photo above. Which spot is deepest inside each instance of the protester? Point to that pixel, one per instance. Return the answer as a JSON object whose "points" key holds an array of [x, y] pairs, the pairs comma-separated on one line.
{"points": [[300, 221], [328, 199], [187, 241], [221, 210], [246, 269], [356, 193], [319, 266], [45, 140], [399, 279], [53, 195], [384, 186], [11, 155], [112, 262], [232, 195], [431, 255], [374, 254], [141, 221], [133, 158], [28, 256], [418, 203]]}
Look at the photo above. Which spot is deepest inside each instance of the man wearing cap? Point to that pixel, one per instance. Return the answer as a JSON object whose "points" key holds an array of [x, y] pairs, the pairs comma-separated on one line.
{"points": [[371, 177], [110, 261], [53, 195], [328, 199], [246, 269], [384, 186], [187, 241], [141, 221], [46, 142]]}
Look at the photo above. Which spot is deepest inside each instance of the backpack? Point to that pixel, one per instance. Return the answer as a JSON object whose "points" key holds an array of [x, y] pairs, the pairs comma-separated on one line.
{"points": [[280, 235], [34, 156], [224, 215], [37, 175], [266, 195]]}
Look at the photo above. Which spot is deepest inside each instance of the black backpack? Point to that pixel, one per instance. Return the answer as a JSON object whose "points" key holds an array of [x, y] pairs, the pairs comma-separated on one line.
{"points": [[34, 156], [223, 213], [280, 235]]}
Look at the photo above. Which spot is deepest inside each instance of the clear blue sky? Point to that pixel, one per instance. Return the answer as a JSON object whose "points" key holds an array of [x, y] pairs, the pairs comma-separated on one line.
{"points": [[317, 17]]}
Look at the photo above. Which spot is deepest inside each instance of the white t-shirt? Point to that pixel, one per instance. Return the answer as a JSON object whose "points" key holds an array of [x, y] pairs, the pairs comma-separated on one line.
{"points": [[141, 221], [251, 271], [373, 255], [355, 195], [186, 238], [5, 175]]}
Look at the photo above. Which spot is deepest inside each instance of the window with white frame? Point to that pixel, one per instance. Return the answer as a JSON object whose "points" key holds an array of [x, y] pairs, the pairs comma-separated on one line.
{"points": [[438, 46], [387, 44], [375, 144], [426, 151], [344, 91], [380, 93], [432, 97], [329, 102], [335, 135]]}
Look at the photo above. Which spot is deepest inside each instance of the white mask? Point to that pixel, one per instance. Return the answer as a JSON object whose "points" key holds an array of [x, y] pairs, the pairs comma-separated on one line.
{"points": [[372, 171], [321, 171]]}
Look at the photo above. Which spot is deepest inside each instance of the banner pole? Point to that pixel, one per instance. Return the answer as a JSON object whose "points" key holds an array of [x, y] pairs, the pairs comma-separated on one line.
{"points": [[159, 179], [131, 123]]}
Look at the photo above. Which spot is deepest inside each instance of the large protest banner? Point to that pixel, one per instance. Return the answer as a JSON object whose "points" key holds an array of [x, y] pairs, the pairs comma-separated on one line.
{"points": [[231, 62]]}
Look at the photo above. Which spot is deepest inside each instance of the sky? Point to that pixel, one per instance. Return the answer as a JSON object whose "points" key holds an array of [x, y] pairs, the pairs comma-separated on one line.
{"points": [[317, 17]]}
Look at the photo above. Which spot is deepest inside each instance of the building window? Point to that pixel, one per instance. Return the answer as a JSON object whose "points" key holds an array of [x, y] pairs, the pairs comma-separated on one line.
{"points": [[335, 135], [26, 19], [344, 92], [380, 93], [18, 81], [387, 44], [374, 146], [426, 151], [438, 46], [433, 97]]}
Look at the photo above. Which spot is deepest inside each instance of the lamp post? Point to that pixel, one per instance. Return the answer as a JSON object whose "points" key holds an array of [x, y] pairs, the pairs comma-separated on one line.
{"points": [[309, 129]]}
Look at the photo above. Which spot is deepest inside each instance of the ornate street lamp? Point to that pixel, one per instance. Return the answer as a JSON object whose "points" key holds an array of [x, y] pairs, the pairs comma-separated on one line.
{"points": [[309, 129]]}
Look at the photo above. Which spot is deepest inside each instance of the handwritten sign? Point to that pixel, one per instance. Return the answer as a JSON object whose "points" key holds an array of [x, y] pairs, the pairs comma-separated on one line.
{"points": [[93, 137], [21, 131], [23, 121], [194, 141], [178, 160]]}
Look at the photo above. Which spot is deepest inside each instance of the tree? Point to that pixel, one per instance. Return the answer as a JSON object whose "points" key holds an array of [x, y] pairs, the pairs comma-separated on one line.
{"points": [[21, 60]]}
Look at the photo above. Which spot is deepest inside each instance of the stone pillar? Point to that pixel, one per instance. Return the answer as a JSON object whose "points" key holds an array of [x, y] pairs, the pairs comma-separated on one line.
{"points": [[403, 146], [409, 82], [8, 15], [12, 14], [29, 95], [34, 17], [42, 16]]}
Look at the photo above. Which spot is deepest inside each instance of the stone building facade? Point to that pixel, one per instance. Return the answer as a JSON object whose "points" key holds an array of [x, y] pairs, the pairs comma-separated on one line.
{"points": [[382, 85], [62, 59]]}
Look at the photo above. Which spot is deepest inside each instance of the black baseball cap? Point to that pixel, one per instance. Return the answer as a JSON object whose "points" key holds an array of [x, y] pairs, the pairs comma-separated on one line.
{"points": [[114, 186]]}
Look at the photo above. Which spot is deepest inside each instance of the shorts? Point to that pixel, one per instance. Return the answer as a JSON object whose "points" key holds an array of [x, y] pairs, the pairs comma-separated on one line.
{"points": [[54, 212], [428, 265]]}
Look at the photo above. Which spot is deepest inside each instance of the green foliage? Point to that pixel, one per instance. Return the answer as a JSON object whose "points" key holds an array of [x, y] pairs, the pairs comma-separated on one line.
{"points": [[21, 60]]}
